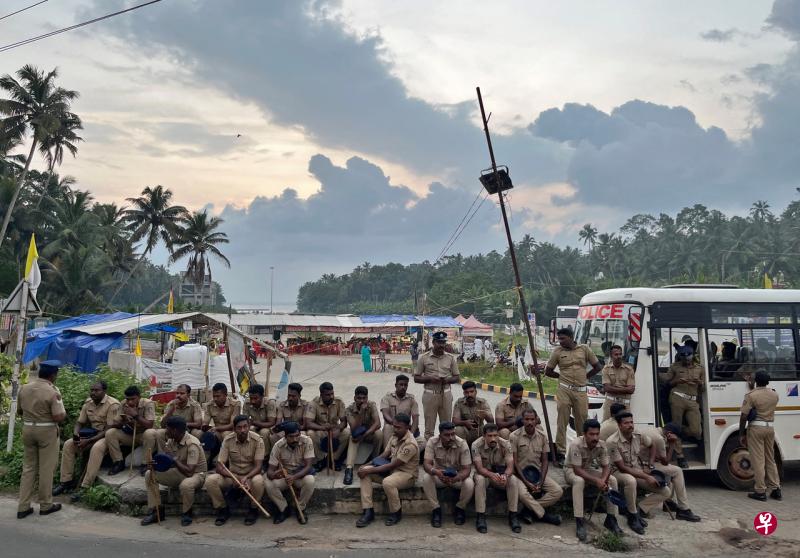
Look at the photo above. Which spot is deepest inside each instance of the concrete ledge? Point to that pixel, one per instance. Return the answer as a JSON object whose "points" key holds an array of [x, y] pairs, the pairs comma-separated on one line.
{"points": [[330, 495]]}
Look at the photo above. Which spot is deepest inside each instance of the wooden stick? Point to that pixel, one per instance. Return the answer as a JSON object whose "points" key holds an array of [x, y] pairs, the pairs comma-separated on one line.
{"points": [[241, 486], [294, 494], [154, 482], [330, 452], [596, 501], [133, 447]]}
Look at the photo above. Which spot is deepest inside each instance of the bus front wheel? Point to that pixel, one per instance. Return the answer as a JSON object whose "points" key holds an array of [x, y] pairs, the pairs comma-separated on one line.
{"points": [[734, 467]]}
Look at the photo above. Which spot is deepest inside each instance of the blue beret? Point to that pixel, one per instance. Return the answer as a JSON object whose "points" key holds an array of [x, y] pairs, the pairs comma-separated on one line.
{"points": [[290, 427], [50, 366], [531, 474], [450, 472], [163, 462], [359, 431], [440, 336]]}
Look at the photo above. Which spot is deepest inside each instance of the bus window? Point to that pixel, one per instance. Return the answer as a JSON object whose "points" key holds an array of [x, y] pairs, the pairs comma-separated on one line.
{"points": [[667, 340], [749, 350]]}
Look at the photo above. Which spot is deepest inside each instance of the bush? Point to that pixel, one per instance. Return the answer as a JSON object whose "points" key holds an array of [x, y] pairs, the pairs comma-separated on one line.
{"points": [[6, 371], [101, 498], [11, 463], [610, 542]]}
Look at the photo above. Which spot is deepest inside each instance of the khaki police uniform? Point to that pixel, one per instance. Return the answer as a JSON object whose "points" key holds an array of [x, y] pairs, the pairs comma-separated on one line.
{"points": [[677, 484], [592, 461], [683, 398], [285, 413], [456, 456], [189, 451], [361, 417], [116, 438], [761, 437], [393, 405], [292, 459], [571, 395], [493, 459], [478, 411], [437, 399], [241, 458], [268, 411], [505, 410], [617, 377], [629, 452], [38, 402], [406, 451], [191, 412], [221, 416], [100, 417], [608, 427], [331, 415], [527, 450], [658, 436]]}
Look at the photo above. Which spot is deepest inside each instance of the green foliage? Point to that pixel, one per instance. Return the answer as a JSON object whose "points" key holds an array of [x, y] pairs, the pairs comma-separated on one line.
{"points": [[6, 371], [501, 376], [610, 542], [11, 462], [101, 497], [697, 245]]}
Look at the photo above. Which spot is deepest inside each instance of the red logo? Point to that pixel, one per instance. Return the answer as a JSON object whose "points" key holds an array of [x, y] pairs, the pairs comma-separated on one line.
{"points": [[765, 523]]}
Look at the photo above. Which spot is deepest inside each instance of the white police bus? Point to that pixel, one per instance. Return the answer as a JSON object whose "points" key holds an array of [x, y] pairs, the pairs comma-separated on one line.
{"points": [[736, 331]]}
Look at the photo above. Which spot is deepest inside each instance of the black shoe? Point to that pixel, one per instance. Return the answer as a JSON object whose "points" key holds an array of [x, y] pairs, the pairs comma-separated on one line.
{"points": [[366, 518], [337, 465], [560, 459], [643, 517], [251, 516], [776, 494], [52, 509], [669, 505], [281, 516], [394, 518], [116, 468], [683, 463], [24, 514], [580, 529], [513, 522], [142, 469], [687, 515], [151, 517], [318, 466], [63, 487], [527, 516], [348, 476], [436, 518], [611, 524], [635, 523], [187, 518], [760, 496], [551, 518], [301, 519], [459, 516], [75, 497], [480, 523], [223, 515]]}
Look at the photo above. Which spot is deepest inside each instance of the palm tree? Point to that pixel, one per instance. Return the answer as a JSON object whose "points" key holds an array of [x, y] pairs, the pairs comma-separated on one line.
{"points": [[198, 239], [588, 234], [53, 146], [151, 219], [760, 212], [34, 105]]}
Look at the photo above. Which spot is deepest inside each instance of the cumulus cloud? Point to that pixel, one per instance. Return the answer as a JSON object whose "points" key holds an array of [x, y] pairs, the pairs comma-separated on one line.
{"points": [[720, 35], [785, 16]]}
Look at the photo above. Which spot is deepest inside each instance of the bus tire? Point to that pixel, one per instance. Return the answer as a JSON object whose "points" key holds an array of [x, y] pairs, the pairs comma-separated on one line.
{"points": [[734, 468]]}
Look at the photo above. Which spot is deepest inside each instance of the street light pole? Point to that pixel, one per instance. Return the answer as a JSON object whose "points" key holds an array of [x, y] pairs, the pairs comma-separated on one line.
{"points": [[520, 292], [271, 283]]}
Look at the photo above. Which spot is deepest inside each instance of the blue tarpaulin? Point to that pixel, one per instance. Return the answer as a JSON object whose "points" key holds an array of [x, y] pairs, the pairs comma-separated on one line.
{"points": [[430, 321], [85, 352]]}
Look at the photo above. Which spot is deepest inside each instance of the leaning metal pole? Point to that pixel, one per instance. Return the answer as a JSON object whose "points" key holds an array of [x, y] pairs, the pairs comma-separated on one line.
{"points": [[520, 291]]}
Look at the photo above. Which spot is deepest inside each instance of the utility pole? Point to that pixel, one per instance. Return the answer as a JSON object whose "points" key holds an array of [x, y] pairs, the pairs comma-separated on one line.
{"points": [[520, 291], [271, 283]]}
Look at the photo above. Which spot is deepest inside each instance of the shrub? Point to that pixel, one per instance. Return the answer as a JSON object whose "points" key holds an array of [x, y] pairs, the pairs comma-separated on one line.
{"points": [[11, 463], [6, 371], [102, 498], [610, 542]]}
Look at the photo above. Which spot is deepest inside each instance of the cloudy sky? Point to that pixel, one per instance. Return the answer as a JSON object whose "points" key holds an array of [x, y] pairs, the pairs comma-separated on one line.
{"points": [[360, 135]]}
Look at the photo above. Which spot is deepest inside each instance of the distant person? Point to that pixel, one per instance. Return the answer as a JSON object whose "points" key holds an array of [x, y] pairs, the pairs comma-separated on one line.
{"points": [[437, 370], [414, 350], [758, 437], [366, 358]]}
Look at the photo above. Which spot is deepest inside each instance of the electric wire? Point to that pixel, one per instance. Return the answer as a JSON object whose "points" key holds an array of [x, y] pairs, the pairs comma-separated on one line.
{"points": [[22, 10]]}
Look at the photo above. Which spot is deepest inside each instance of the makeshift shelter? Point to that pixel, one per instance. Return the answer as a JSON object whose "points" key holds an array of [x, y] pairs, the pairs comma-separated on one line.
{"points": [[473, 327]]}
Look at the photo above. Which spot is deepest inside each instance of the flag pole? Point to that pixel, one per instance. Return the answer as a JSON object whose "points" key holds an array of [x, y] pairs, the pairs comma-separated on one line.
{"points": [[22, 322]]}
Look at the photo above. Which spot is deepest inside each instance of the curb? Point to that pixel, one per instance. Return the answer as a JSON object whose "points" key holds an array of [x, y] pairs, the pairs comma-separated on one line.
{"points": [[485, 387]]}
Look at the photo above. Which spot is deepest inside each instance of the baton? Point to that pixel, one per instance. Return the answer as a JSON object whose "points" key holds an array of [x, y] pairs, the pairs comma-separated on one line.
{"points": [[154, 482], [594, 505], [330, 452], [294, 494], [133, 447], [243, 489]]}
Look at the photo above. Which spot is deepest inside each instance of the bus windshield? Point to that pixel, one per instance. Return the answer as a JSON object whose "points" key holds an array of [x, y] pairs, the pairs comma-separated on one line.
{"points": [[603, 326]]}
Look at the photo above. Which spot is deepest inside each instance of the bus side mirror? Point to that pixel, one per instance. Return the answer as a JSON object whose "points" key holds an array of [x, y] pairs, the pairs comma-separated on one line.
{"points": [[635, 314]]}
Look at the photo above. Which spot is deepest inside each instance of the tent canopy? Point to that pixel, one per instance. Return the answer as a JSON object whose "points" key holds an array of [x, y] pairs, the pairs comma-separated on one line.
{"points": [[475, 328]]}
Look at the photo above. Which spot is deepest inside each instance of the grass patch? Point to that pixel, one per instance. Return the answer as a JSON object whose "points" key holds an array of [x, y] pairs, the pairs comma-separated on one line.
{"points": [[101, 498], [610, 542], [502, 376]]}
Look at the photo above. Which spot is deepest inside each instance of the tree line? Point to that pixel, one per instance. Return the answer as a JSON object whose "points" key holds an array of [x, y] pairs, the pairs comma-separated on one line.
{"points": [[696, 245], [93, 256]]}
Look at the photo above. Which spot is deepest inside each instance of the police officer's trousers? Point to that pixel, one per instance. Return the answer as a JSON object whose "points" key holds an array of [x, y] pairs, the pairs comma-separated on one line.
{"points": [[69, 453], [681, 407], [173, 479], [578, 485], [761, 445], [320, 453], [40, 460], [627, 484], [512, 490], [116, 438], [431, 483], [96, 455], [303, 488], [436, 403], [151, 435], [677, 484], [216, 483], [569, 400], [352, 448], [391, 484], [551, 494]]}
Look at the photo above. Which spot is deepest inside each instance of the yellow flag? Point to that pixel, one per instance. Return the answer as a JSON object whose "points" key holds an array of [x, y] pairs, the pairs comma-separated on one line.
{"points": [[32, 273], [33, 255], [171, 304], [138, 350], [181, 336], [767, 281]]}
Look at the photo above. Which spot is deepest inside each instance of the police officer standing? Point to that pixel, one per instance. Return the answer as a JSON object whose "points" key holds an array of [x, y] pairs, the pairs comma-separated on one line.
{"points": [[42, 409], [685, 378], [759, 409], [437, 369], [618, 382]]}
